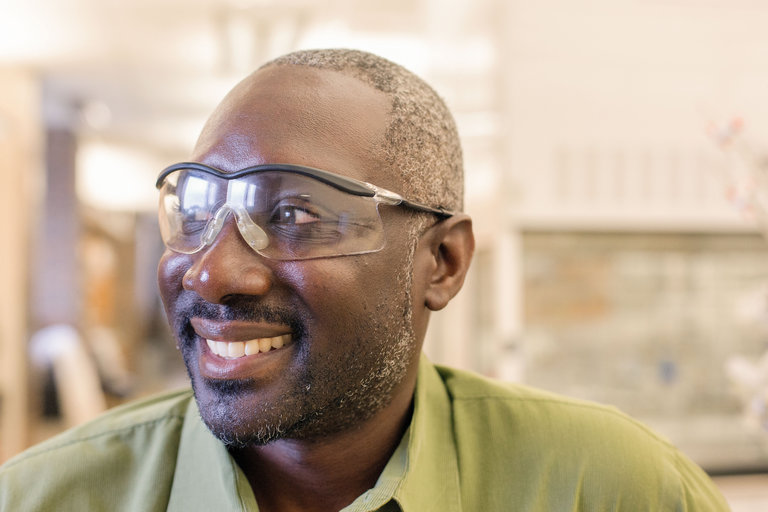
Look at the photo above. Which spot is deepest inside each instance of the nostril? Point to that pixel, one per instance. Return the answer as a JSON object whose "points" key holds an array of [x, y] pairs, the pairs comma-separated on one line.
{"points": [[193, 278], [225, 268], [187, 280]]}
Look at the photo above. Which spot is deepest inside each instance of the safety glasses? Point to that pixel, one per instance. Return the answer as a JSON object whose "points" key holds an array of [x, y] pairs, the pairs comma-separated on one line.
{"points": [[283, 211]]}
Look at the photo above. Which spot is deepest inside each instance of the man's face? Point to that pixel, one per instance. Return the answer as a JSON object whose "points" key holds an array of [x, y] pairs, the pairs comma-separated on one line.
{"points": [[346, 322]]}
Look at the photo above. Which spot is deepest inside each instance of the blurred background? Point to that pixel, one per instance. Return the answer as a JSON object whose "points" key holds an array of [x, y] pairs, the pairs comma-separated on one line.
{"points": [[615, 153]]}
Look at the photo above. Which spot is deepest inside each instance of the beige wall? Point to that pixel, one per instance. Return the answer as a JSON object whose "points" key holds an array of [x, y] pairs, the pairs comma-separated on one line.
{"points": [[20, 168]]}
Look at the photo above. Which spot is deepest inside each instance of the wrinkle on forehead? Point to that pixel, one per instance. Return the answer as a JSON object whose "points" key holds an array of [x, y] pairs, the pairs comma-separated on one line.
{"points": [[290, 114]]}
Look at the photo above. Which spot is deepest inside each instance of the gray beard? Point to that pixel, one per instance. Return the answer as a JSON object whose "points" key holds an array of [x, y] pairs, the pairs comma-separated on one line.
{"points": [[318, 415], [363, 383]]}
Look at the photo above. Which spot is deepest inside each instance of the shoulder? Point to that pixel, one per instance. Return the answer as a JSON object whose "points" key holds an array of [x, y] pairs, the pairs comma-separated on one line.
{"points": [[525, 404], [105, 454], [153, 414], [548, 422], [564, 453]]}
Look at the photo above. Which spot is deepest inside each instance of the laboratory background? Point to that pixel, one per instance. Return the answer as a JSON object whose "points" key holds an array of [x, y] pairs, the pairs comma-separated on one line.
{"points": [[616, 160]]}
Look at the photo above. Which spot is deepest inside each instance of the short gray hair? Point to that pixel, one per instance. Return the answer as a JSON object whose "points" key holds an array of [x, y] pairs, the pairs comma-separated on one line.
{"points": [[421, 141]]}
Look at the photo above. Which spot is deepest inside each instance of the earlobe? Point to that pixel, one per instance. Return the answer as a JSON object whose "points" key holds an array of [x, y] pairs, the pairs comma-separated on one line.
{"points": [[452, 248]]}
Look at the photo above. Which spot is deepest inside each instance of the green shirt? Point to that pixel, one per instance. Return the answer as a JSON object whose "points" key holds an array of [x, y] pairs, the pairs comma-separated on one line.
{"points": [[473, 445]]}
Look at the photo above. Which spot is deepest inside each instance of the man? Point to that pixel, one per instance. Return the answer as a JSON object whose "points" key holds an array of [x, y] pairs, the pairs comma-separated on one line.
{"points": [[314, 231]]}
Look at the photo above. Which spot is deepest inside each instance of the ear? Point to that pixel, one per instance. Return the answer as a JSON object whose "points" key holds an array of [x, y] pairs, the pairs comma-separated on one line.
{"points": [[452, 244]]}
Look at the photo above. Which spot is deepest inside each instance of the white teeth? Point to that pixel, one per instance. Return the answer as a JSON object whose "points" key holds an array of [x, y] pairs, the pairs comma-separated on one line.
{"points": [[237, 349], [251, 347]]}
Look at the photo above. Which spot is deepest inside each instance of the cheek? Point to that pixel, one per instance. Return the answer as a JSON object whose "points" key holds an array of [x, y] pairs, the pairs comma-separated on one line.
{"points": [[170, 273], [335, 287]]}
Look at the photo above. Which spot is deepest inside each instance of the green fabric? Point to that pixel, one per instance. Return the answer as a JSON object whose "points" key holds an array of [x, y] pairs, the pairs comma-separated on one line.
{"points": [[473, 445]]}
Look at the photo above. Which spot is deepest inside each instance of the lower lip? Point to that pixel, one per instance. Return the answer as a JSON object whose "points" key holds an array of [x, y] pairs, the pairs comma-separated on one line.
{"points": [[216, 367]]}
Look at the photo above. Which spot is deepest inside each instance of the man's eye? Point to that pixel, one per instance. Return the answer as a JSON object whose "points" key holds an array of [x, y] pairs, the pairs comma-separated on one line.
{"points": [[289, 214], [193, 219], [192, 227]]}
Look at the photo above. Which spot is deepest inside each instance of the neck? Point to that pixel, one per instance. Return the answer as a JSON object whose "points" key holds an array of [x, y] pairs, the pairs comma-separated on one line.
{"points": [[329, 473]]}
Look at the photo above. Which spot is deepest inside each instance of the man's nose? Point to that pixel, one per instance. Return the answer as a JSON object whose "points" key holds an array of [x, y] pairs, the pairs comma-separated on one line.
{"points": [[227, 267]]}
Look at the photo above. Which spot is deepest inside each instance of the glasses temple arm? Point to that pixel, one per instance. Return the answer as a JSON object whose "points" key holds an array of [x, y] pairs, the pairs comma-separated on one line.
{"points": [[388, 197]]}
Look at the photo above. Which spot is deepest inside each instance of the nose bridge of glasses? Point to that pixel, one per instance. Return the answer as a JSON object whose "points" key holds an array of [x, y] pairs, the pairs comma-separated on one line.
{"points": [[251, 232]]}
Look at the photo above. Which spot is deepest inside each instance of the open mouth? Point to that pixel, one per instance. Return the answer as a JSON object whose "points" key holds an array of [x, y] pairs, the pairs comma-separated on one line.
{"points": [[238, 349]]}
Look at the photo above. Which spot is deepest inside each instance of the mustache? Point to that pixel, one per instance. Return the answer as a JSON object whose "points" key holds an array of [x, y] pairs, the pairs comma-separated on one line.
{"points": [[246, 311], [237, 309]]}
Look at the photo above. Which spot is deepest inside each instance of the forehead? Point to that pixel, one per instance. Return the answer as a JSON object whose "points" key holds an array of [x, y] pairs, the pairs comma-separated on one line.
{"points": [[300, 115]]}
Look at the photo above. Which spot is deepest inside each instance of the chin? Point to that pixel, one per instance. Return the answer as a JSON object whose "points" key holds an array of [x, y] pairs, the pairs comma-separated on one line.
{"points": [[226, 409]]}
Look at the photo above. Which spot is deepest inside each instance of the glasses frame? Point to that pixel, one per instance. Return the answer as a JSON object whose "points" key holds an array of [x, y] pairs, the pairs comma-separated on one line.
{"points": [[343, 183]]}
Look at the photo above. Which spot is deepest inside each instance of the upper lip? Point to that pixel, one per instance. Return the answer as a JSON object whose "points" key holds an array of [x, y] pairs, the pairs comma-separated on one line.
{"points": [[236, 330]]}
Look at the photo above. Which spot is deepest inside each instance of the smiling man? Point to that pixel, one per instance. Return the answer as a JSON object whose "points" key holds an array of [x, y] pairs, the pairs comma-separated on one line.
{"points": [[314, 229]]}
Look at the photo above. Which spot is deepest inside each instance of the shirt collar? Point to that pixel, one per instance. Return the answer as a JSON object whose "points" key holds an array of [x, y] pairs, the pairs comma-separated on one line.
{"points": [[431, 480], [206, 476], [422, 474]]}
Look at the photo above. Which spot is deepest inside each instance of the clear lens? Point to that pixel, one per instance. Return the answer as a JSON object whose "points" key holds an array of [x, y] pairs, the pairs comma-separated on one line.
{"points": [[283, 216]]}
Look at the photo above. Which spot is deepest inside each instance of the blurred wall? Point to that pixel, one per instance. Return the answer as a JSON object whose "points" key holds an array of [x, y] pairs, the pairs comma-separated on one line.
{"points": [[20, 163]]}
